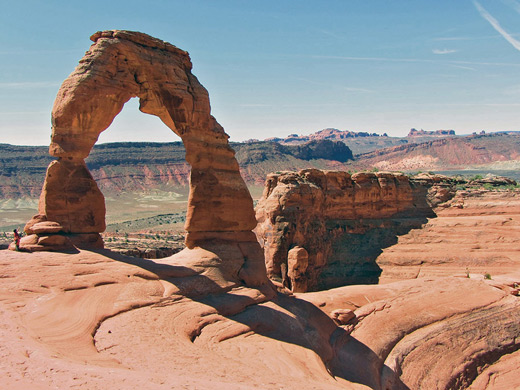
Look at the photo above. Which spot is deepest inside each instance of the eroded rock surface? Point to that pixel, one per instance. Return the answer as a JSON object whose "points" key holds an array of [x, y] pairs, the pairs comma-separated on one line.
{"points": [[342, 221], [436, 333]]}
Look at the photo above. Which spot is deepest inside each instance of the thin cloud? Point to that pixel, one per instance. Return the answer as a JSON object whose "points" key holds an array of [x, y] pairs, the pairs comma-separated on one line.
{"points": [[514, 4], [412, 60], [475, 38], [330, 34], [30, 84], [444, 51], [255, 105], [452, 39], [494, 23], [336, 86], [464, 67]]}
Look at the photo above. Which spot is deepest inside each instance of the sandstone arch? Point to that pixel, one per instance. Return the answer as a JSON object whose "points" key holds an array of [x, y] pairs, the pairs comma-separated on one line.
{"points": [[121, 65]]}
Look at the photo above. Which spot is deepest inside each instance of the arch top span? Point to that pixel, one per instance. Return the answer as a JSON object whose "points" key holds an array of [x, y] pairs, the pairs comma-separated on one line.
{"points": [[118, 66]]}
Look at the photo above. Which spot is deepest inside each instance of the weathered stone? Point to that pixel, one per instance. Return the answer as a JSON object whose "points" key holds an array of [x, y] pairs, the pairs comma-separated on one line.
{"points": [[43, 242], [342, 316], [44, 227], [29, 240], [125, 64], [34, 220], [55, 240], [71, 197], [87, 240]]}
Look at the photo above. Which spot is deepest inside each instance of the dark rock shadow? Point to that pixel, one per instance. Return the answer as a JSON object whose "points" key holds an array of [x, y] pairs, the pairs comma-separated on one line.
{"points": [[354, 252]]}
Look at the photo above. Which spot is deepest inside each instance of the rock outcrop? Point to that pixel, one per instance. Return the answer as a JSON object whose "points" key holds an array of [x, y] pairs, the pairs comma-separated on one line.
{"points": [[121, 65], [341, 221]]}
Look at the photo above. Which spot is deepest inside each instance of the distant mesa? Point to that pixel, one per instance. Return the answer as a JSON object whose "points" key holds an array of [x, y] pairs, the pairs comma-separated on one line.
{"points": [[433, 133], [329, 134]]}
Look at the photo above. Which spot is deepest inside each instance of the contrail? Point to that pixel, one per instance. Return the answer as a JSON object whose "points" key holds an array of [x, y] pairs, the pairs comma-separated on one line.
{"points": [[515, 4], [486, 15]]}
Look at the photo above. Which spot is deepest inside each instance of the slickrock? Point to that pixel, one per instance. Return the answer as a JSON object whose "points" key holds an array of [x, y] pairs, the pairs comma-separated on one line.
{"points": [[477, 233], [102, 320], [342, 221], [435, 333], [96, 320]]}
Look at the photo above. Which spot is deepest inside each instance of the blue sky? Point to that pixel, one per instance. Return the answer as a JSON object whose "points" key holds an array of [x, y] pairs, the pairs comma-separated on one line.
{"points": [[278, 67]]}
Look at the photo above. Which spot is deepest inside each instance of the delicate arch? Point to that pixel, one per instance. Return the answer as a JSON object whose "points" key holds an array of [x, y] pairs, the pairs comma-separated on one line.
{"points": [[121, 65]]}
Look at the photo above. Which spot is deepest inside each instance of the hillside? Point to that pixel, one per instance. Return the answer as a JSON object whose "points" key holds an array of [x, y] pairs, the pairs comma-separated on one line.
{"points": [[143, 166], [493, 151]]}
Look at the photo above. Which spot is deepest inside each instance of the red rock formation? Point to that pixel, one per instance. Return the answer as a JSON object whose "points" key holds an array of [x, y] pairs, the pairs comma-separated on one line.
{"points": [[435, 333], [121, 65], [341, 220], [104, 321], [297, 263]]}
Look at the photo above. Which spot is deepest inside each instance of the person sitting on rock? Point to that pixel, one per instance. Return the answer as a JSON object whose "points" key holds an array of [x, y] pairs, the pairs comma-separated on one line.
{"points": [[16, 239]]}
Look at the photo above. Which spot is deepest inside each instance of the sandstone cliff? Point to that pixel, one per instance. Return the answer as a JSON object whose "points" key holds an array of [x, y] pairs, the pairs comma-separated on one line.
{"points": [[338, 223]]}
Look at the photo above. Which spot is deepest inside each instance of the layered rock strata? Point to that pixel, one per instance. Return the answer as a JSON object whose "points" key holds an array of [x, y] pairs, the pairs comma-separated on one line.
{"points": [[121, 65], [342, 221], [476, 233], [439, 332]]}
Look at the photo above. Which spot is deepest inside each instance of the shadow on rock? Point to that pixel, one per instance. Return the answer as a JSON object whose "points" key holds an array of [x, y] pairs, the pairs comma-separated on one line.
{"points": [[215, 284]]}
